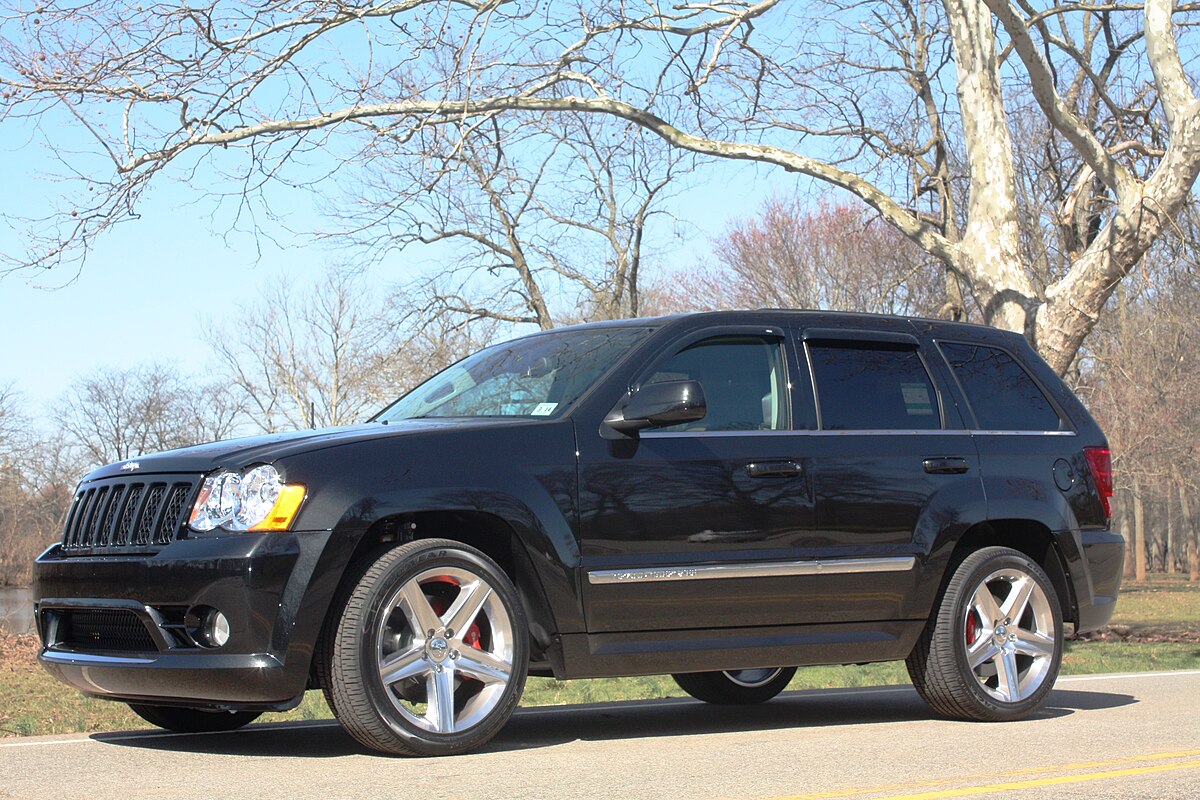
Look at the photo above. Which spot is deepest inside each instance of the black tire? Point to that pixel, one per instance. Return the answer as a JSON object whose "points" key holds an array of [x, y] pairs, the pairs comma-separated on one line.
{"points": [[940, 663], [374, 616], [193, 720], [735, 687]]}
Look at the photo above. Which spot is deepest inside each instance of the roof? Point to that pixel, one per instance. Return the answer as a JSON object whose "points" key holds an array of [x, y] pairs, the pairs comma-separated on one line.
{"points": [[782, 312]]}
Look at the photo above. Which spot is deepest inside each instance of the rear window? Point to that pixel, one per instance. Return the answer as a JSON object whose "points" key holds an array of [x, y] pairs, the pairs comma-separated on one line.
{"points": [[873, 386], [1001, 393]]}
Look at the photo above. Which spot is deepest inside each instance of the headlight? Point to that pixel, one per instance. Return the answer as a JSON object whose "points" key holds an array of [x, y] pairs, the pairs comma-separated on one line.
{"points": [[255, 500]]}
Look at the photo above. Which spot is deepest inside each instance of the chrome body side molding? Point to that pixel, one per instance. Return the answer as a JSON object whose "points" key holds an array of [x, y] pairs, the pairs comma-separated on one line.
{"points": [[765, 569]]}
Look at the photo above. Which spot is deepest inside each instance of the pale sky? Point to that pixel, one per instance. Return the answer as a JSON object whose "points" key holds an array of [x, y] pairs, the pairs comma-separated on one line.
{"points": [[148, 285]]}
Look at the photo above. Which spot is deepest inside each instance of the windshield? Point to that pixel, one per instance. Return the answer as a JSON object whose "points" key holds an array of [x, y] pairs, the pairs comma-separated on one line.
{"points": [[539, 376]]}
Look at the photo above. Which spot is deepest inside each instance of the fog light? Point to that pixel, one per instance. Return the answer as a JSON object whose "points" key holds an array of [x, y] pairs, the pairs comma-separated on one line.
{"points": [[216, 629], [207, 627]]}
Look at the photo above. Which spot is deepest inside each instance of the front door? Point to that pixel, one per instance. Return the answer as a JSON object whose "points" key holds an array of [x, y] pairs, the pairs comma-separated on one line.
{"points": [[681, 526]]}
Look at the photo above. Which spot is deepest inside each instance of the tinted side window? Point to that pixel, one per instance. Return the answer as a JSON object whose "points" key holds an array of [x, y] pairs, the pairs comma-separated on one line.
{"points": [[872, 386], [743, 381], [1000, 391]]}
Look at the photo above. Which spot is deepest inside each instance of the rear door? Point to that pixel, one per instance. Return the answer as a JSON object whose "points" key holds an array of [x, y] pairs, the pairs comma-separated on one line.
{"points": [[892, 466]]}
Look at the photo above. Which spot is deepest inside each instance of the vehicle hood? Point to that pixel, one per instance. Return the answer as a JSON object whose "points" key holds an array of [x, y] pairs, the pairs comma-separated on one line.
{"points": [[237, 454]]}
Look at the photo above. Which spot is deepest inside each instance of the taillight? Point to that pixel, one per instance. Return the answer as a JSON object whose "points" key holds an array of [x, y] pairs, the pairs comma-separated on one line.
{"points": [[1100, 461]]}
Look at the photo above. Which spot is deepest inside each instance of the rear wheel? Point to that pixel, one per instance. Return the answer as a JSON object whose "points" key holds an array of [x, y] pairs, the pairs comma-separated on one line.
{"points": [[993, 647], [193, 720], [430, 652], [736, 686]]}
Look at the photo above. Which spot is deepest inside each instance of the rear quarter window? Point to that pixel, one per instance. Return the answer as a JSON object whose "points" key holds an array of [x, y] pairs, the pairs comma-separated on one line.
{"points": [[1001, 393]]}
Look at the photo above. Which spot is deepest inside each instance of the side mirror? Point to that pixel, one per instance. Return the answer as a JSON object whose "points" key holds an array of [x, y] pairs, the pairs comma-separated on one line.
{"points": [[656, 405]]}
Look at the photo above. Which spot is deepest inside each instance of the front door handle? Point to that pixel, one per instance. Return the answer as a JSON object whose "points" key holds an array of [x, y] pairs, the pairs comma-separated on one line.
{"points": [[773, 469], [945, 466]]}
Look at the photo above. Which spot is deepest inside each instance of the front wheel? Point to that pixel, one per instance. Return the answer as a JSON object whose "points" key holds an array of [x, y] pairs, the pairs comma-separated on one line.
{"points": [[993, 647], [430, 652], [736, 686], [193, 720]]}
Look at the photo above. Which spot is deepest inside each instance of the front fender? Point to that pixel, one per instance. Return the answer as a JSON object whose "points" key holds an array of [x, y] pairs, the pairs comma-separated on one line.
{"points": [[495, 472]]}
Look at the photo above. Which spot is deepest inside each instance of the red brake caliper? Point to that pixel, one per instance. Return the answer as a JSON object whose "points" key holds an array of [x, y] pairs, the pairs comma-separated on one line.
{"points": [[972, 628], [439, 606]]}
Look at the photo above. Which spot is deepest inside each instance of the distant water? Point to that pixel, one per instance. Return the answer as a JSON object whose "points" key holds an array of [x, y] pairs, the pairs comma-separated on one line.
{"points": [[16, 610]]}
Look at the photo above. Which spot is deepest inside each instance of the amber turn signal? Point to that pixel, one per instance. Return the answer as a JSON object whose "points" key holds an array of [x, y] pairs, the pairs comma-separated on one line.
{"points": [[285, 508]]}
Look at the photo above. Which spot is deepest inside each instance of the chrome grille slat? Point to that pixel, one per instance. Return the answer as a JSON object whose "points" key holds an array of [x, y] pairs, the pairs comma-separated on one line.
{"points": [[142, 512], [129, 518], [173, 510], [149, 515], [115, 500], [73, 517], [99, 511], [85, 515]]}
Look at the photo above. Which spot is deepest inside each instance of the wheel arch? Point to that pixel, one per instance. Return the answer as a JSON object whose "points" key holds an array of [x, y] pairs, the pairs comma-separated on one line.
{"points": [[1029, 536], [491, 534]]}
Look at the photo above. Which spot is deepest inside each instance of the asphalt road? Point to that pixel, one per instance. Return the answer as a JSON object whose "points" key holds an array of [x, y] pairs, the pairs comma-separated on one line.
{"points": [[1112, 736]]}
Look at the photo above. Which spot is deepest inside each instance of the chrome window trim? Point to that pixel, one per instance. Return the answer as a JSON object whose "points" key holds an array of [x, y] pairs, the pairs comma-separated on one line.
{"points": [[762, 569], [1022, 433], [917, 432]]}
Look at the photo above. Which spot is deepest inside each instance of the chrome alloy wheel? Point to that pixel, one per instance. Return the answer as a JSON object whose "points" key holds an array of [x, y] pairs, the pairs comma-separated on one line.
{"points": [[1009, 632], [445, 650], [752, 678]]}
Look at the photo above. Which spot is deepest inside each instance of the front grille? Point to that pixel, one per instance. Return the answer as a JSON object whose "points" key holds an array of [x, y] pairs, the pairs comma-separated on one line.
{"points": [[127, 513], [104, 630]]}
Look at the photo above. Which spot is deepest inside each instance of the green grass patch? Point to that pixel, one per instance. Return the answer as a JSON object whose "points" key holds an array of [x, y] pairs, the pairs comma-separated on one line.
{"points": [[34, 704]]}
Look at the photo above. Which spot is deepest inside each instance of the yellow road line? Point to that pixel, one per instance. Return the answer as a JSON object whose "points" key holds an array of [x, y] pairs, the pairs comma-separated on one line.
{"points": [[1040, 782], [870, 790]]}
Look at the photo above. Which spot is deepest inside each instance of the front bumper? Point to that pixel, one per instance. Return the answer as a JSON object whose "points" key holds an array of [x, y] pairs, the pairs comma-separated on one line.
{"points": [[121, 626]]}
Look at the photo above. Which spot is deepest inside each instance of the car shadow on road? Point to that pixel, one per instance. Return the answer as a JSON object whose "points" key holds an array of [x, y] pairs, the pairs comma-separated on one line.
{"points": [[535, 728]]}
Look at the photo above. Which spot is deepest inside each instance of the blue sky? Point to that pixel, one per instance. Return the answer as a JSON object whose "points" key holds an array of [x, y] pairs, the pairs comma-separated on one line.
{"points": [[149, 285]]}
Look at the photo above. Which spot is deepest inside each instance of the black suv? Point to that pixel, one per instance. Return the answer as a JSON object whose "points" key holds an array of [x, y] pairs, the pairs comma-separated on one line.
{"points": [[719, 496]]}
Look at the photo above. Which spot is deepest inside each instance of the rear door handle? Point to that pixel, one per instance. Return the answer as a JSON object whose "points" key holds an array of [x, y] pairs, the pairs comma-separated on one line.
{"points": [[773, 469], [945, 466]]}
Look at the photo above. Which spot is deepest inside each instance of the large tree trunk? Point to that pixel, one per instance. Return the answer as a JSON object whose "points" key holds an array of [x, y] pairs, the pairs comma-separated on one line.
{"points": [[1138, 540], [1188, 530], [1124, 515], [989, 251], [1172, 543]]}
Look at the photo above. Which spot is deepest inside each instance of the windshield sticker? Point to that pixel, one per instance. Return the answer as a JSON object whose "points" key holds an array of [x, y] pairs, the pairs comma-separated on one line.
{"points": [[916, 399], [544, 409]]}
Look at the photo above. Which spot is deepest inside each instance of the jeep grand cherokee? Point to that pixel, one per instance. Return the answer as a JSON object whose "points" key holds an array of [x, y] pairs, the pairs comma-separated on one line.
{"points": [[723, 497]]}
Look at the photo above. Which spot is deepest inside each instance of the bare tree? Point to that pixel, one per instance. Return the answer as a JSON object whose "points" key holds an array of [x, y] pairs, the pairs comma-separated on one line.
{"points": [[861, 97], [37, 475], [791, 255], [305, 358], [543, 216], [113, 414], [1139, 376], [12, 421], [333, 353]]}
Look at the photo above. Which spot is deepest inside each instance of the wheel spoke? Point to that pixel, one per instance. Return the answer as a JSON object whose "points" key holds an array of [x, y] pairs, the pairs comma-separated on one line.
{"points": [[1007, 676], [1014, 605], [404, 665], [483, 666], [439, 689], [983, 651], [416, 607], [1034, 644], [466, 606], [985, 604]]}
